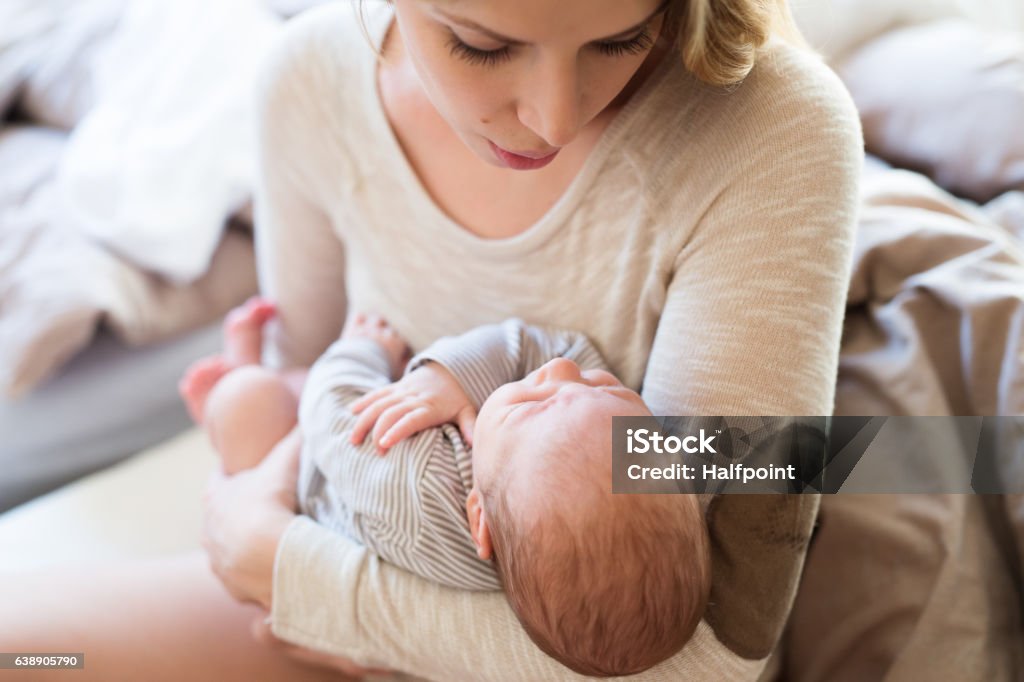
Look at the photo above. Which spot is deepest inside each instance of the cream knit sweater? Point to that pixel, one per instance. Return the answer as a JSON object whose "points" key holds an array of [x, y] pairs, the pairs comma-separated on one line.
{"points": [[704, 247]]}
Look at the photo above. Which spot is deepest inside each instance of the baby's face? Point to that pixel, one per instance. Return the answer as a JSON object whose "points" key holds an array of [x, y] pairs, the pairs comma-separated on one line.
{"points": [[551, 400]]}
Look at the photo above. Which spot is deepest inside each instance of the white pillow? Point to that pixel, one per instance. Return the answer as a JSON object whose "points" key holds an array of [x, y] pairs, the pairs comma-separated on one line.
{"points": [[836, 27], [947, 99], [46, 56]]}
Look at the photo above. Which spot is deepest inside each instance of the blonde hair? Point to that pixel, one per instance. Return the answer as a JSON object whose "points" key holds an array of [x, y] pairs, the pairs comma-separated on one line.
{"points": [[720, 39]]}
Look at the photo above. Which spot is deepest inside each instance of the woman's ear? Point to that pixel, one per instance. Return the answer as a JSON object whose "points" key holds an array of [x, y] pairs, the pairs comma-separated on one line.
{"points": [[478, 524]]}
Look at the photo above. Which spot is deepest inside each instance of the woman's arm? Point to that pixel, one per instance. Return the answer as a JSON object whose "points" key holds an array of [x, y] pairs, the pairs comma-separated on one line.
{"points": [[300, 259], [752, 326], [378, 615]]}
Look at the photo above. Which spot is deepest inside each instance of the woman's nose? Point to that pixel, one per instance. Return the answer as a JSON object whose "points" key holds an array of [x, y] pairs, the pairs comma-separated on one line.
{"points": [[550, 105], [560, 369]]}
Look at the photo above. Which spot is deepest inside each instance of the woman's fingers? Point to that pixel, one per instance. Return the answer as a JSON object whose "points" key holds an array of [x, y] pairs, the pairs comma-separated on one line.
{"points": [[410, 424], [368, 417], [244, 517]]}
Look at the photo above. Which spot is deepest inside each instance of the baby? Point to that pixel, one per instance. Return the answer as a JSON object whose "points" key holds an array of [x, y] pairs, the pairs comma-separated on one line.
{"points": [[606, 584]]}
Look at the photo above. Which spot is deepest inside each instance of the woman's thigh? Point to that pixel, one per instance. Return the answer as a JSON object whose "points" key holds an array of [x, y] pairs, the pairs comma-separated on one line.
{"points": [[158, 619]]}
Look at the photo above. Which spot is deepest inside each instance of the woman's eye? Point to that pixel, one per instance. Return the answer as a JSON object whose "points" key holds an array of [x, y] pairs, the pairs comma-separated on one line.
{"points": [[636, 45], [475, 55]]}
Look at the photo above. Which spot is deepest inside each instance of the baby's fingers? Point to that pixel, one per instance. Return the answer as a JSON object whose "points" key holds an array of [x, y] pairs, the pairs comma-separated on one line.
{"points": [[466, 419], [368, 417], [388, 419], [410, 424], [357, 406]]}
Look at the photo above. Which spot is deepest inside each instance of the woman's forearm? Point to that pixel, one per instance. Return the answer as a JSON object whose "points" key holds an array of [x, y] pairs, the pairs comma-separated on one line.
{"points": [[333, 595]]}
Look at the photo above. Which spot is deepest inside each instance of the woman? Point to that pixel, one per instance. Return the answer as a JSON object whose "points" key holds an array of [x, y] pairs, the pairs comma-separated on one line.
{"points": [[556, 161]]}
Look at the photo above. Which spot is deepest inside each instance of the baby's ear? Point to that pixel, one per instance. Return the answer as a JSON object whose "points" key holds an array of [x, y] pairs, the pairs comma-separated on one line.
{"points": [[478, 524]]}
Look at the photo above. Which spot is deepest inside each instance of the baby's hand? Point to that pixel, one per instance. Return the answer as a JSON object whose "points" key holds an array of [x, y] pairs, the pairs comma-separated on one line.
{"points": [[428, 396]]}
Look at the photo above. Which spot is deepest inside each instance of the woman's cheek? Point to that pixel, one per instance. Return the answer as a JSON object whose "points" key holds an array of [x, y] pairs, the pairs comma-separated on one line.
{"points": [[473, 98]]}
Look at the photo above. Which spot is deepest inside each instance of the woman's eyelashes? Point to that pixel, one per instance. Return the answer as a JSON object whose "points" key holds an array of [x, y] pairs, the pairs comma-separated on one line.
{"points": [[638, 44], [474, 55]]}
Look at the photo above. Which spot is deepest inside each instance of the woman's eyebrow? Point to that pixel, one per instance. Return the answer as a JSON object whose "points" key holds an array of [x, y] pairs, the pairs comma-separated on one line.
{"points": [[472, 25]]}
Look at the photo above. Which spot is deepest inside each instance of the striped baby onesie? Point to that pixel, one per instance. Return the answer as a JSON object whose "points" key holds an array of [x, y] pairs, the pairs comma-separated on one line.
{"points": [[409, 506]]}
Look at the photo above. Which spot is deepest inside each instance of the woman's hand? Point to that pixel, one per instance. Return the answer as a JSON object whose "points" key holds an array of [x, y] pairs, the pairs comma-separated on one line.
{"points": [[245, 516]]}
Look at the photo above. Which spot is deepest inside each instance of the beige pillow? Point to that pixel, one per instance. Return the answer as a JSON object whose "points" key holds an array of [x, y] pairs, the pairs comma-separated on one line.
{"points": [[947, 99]]}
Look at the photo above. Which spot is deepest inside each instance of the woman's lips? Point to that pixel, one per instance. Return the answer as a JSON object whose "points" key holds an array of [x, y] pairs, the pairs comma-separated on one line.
{"points": [[521, 161]]}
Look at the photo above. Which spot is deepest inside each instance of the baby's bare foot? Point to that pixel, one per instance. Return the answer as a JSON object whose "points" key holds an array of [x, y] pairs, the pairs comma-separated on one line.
{"points": [[199, 380], [376, 328], [243, 331]]}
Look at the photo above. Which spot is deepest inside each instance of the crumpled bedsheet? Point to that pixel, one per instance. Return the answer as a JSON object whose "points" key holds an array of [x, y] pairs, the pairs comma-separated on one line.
{"points": [[57, 285], [922, 587], [935, 313]]}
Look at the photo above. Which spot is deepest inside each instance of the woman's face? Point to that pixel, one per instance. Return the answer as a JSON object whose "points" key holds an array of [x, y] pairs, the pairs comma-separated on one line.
{"points": [[518, 79]]}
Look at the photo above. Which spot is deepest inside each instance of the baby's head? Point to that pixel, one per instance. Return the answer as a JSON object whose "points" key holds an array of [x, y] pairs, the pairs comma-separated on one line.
{"points": [[606, 584]]}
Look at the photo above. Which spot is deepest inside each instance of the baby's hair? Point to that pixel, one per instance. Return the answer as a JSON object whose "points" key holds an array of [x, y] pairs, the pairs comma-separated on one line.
{"points": [[719, 40], [611, 588]]}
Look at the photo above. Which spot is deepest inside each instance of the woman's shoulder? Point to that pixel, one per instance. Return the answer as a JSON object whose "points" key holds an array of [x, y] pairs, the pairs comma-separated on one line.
{"points": [[317, 84], [321, 50], [790, 116], [790, 99], [788, 80]]}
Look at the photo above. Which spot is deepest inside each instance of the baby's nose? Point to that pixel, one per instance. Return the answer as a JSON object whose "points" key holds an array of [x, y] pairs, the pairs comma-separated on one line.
{"points": [[560, 369]]}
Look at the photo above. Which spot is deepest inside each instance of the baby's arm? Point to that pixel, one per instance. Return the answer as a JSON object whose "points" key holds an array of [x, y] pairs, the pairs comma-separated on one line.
{"points": [[368, 355], [487, 357], [449, 381], [428, 397]]}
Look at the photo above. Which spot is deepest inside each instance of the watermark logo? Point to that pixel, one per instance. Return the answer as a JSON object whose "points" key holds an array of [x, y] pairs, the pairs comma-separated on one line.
{"points": [[818, 454], [647, 441]]}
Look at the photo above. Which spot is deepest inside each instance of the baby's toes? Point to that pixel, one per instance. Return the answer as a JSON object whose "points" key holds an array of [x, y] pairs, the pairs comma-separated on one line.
{"points": [[261, 310], [199, 380], [355, 325], [252, 314], [243, 331]]}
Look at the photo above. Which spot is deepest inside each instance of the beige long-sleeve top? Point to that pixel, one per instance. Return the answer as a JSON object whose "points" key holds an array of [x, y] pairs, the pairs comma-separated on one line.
{"points": [[704, 247]]}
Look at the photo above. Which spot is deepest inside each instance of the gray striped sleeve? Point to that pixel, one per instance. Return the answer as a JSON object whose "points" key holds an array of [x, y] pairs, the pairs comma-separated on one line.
{"points": [[490, 356], [348, 369], [408, 506]]}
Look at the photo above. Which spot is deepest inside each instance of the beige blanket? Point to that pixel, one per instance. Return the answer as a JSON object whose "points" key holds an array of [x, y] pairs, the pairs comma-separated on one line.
{"points": [[921, 587]]}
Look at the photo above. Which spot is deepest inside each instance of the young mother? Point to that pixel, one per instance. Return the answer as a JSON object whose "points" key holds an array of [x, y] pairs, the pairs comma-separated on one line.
{"points": [[672, 178]]}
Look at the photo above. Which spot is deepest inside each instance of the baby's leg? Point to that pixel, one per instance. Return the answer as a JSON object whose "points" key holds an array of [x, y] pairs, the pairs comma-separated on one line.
{"points": [[245, 408], [243, 344], [247, 413]]}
